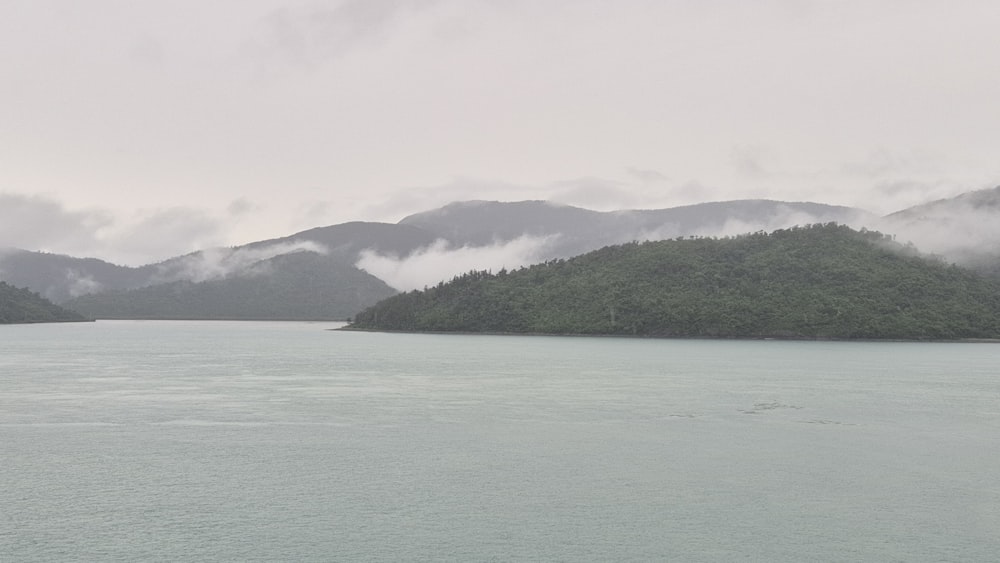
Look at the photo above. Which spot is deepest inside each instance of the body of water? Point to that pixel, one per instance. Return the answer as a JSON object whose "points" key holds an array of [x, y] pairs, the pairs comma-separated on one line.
{"points": [[229, 441]]}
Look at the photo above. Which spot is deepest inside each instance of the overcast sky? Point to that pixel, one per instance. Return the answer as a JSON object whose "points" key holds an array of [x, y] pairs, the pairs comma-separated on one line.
{"points": [[133, 131]]}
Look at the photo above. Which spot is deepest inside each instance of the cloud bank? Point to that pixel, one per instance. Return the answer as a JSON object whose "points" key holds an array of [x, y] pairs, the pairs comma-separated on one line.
{"points": [[218, 263], [438, 262], [961, 231], [39, 223]]}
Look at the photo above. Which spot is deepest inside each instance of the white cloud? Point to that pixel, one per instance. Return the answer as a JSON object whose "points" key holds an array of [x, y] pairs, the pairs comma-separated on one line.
{"points": [[217, 263], [955, 230], [40, 223], [80, 284], [45, 224], [372, 106], [784, 218], [162, 233], [438, 262]]}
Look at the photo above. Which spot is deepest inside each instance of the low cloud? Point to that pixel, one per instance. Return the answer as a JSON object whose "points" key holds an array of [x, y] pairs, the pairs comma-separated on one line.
{"points": [[162, 233], [38, 223], [218, 263], [80, 284], [902, 193], [785, 218], [416, 199], [958, 230], [595, 193], [438, 262]]}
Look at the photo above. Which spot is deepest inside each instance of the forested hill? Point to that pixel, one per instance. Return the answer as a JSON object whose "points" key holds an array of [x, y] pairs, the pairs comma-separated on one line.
{"points": [[821, 281], [294, 286], [23, 306]]}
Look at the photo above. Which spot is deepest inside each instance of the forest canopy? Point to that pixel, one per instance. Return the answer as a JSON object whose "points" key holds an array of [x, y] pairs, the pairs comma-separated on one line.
{"points": [[818, 281], [19, 305]]}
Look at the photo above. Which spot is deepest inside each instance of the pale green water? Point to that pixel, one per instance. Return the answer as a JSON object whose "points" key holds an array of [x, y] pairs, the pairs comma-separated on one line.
{"points": [[165, 441]]}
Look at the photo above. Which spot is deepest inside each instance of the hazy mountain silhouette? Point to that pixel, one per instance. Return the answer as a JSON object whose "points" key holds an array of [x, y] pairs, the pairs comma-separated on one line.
{"points": [[59, 278], [293, 286], [309, 275], [987, 200], [574, 230], [314, 273], [963, 229]]}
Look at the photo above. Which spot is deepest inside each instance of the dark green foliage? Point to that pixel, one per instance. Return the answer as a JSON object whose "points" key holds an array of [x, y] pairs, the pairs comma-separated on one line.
{"points": [[23, 306], [821, 281]]}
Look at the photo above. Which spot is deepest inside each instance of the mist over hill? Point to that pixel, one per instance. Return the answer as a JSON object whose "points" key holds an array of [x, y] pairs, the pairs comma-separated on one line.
{"points": [[963, 229], [60, 278], [19, 305], [577, 230], [306, 276], [494, 235], [292, 286], [490, 234], [820, 281], [362, 262]]}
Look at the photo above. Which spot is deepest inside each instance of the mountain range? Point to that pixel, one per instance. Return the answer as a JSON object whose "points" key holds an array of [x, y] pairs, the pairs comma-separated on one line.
{"points": [[329, 272]]}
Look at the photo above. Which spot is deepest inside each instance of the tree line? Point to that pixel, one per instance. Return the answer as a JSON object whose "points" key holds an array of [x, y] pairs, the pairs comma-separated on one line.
{"points": [[817, 281], [19, 305]]}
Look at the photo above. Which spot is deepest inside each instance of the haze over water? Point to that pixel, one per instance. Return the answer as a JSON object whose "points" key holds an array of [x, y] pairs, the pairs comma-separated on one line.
{"points": [[156, 441]]}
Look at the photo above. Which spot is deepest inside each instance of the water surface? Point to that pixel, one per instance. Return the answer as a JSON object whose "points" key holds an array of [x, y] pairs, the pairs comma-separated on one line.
{"points": [[161, 441]]}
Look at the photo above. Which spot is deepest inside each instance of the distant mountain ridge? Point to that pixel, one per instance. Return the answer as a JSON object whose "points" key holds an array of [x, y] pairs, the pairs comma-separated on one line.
{"points": [[982, 200], [270, 278], [576, 230], [964, 229], [309, 275], [60, 278], [294, 286]]}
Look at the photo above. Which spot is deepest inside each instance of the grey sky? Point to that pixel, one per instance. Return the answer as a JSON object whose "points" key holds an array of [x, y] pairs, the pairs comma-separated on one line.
{"points": [[228, 121]]}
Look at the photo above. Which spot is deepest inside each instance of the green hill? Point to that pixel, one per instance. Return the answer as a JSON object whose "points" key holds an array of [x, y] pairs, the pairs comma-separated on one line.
{"points": [[23, 306], [821, 281]]}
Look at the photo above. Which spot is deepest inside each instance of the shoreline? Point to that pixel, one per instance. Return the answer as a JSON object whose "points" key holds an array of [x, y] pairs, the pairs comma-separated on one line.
{"points": [[664, 337]]}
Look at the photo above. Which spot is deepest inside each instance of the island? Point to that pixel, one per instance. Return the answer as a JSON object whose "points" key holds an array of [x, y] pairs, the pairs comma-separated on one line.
{"points": [[824, 281]]}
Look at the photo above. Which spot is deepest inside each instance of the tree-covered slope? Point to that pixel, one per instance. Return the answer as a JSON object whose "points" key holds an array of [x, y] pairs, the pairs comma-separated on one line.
{"points": [[19, 305], [295, 286], [307, 276], [60, 278], [822, 281]]}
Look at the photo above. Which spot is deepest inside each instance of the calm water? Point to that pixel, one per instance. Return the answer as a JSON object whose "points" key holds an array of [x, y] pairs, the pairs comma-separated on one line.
{"points": [[147, 441]]}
